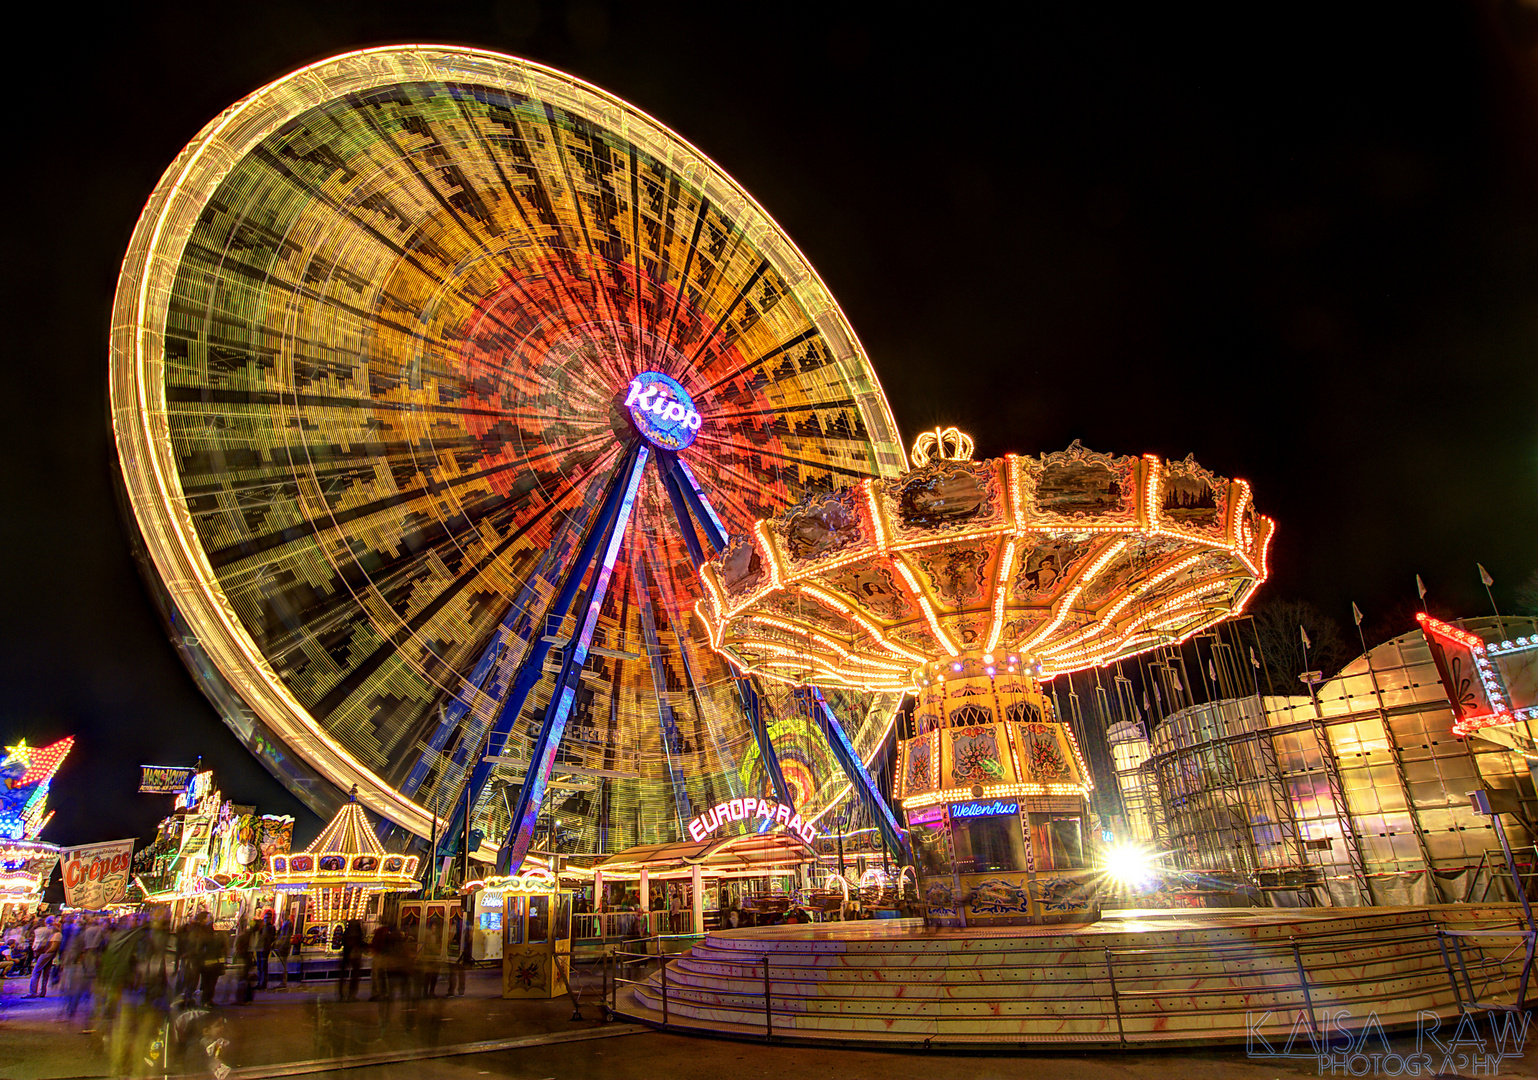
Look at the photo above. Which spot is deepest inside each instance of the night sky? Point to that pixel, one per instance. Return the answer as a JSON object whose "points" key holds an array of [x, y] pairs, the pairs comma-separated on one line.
{"points": [[1303, 249]]}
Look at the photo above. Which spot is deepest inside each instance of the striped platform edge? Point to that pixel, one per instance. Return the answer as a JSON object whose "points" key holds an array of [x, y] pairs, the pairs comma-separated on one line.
{"points": [[1135, 977]]}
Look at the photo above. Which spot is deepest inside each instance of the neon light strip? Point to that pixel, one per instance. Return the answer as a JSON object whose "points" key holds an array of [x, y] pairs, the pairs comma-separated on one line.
{"points": [[1016, 508], [538, 778], [1065, 605], [695, 484], [929, 612], [869, 627], [1001, 589], [995, 791], [882, 540]]}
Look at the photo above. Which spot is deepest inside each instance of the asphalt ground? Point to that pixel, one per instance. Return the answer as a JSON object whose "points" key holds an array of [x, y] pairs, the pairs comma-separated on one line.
{"points": [[307, 1032]]}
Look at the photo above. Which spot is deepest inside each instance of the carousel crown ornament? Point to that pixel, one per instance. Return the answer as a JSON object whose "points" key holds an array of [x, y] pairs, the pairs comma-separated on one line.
{"points": [[969, 584], [950, 443]]}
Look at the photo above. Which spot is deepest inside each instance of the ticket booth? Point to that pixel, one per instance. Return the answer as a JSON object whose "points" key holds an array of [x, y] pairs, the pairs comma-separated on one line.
{"points": [[536, 937], [486, 929]]}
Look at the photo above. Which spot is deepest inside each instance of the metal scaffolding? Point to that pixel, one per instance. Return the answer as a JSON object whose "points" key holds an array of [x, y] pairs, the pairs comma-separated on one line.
{"points": [[1355, 793]]}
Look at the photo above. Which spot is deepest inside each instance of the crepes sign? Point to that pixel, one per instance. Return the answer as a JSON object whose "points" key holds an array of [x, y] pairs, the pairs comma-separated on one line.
{"points": [[96, 875]]}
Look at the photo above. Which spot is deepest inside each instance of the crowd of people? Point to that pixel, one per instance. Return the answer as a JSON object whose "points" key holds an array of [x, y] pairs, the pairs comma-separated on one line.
{"points": [[132, 969], [152, 990]]}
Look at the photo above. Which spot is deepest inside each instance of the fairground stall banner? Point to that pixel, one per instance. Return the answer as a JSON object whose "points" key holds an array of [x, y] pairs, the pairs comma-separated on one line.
{"points": [[96, 875]]}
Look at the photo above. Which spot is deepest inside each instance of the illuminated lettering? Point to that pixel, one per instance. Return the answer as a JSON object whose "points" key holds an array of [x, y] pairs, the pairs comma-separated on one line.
{"points": [[719, 815], [983, 809], [662, 410]]}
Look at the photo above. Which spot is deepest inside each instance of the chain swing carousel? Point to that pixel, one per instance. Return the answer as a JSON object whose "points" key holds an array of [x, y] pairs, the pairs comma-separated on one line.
{"points": [[968, 584]]}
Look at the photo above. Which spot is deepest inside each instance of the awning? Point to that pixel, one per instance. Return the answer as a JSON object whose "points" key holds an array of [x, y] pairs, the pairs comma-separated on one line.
{"points": [[748, 853]]}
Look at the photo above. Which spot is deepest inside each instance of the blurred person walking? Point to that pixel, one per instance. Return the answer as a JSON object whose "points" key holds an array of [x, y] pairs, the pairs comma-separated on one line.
{"points": [[463, 957], [266, 937], [382, 946], [192, 946], [284, 945], [353, 943], [46, 943]]}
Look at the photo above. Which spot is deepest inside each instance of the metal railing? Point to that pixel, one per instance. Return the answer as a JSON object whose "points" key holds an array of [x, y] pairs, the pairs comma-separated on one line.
{"points": [[1306, 966], [617, 961], [1484, 965], [620, 926]]}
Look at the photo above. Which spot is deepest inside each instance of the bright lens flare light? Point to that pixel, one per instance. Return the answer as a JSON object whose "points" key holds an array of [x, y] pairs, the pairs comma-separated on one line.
{"points": [[1131, 865]]}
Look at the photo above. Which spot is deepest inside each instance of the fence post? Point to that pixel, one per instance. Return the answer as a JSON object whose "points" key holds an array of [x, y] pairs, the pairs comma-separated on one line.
{"points": [[1115, 1000], [1463, 966], [1447, 962], [768, 1011], [664, 991], [1308, 998]]}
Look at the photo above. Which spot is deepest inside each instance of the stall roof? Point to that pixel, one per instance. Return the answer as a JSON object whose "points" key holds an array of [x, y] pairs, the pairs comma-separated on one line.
{"points": [[721, 856]]}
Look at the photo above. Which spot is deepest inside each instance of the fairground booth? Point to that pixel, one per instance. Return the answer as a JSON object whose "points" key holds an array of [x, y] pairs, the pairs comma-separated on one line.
{"points": [[26, 863], [210, 854], [757, 874]]}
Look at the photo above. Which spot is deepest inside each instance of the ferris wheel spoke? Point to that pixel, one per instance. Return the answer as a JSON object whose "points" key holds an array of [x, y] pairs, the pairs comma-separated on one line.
{"points": [[344, 689], [542, 754]]}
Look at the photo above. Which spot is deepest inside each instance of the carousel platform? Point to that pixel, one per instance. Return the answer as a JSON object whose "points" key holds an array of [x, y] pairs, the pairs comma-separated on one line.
{"points": [[1167, 977]]}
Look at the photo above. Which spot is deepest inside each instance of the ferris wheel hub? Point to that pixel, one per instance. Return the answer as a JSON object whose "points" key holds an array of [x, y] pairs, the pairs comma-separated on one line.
{"points": [[662, 410]]}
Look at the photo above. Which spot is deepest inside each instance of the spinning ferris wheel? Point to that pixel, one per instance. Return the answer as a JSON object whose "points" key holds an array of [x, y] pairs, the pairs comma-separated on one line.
{"points": [[435, 375]]}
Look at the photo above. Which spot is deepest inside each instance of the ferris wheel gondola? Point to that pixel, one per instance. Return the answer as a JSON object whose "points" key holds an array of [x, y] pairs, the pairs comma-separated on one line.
{"points": [[435, 373]]}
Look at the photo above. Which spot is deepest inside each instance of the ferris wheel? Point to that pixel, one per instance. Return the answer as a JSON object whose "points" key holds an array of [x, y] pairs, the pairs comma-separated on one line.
{"points": [[435, 375]]}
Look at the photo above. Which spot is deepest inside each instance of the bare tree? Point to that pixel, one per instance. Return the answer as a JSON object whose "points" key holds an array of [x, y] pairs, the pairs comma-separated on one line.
{"points": [[1527, 595], [1277, 624]]}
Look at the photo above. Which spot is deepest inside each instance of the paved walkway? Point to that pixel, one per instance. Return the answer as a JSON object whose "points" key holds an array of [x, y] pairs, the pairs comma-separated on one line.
{"points": [[302, 1024]]}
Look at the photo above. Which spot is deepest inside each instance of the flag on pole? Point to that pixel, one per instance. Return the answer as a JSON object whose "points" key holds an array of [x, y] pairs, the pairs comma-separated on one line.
{"points": [[1254, 663], [1356, 613], [1307, 644], [1146, 705], [1175, 679], [1212, 669], [1484, 575], [1420, 586]]}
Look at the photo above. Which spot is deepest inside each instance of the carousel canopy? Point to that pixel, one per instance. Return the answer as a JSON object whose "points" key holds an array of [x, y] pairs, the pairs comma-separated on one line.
{"points": [[1044, 565], [346, 854]]}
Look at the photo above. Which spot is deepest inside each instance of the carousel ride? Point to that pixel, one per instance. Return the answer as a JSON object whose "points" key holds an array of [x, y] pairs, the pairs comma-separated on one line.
{"points": [[435, 373], [968, 583], [342, 871]]}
